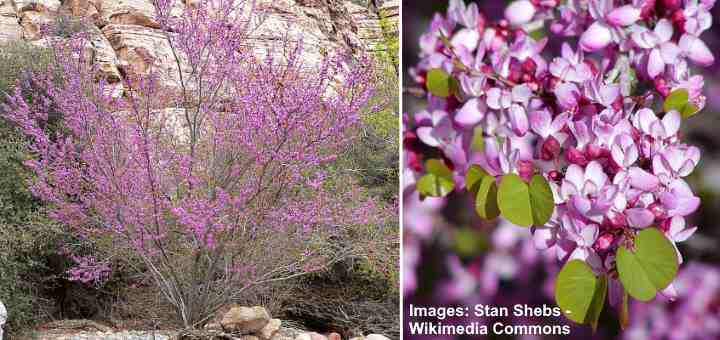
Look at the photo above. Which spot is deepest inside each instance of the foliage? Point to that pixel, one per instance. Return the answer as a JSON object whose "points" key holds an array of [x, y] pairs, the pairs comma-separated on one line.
{"points": [[27, 237]]}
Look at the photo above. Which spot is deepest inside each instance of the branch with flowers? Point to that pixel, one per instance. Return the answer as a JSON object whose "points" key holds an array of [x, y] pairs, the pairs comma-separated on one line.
{"points": [[582, 147]]}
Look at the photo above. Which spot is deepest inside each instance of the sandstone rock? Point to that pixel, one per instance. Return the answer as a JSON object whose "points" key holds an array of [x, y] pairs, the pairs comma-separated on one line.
{"points": [[249, 337], [334, 336], [270, 329], [304, 336], [245, 320], [10, 29]]}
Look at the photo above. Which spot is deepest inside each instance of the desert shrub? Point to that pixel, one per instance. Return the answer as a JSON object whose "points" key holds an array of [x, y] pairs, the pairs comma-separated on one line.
{"points": [[27, 237]]}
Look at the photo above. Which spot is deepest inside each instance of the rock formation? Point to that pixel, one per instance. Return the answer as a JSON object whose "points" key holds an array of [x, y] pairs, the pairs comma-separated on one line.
{"points": [[125, 35]]}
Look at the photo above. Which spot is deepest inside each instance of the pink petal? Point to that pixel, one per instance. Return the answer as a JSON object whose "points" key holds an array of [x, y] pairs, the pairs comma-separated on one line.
{"points": [[426, 136], [696, 50], [567, 94], [671, 123], [642, 179], [518, 120], [623, 16], [594, 172], [470, 114], [663, 30], [467, 38], [543, 238], [596, 37], [520, 12], [656, 65], [669, 52], [540, 121], [639, 217]]}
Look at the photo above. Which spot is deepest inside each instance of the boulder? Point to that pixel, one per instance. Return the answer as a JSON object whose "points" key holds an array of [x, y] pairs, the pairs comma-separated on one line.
{"points": [[316, 336], [3, 318], [334, 336], [376, 337], [270, 329], [245, 320]]}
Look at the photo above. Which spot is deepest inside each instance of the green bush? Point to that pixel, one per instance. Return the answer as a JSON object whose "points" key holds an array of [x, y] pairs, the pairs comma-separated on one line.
{"points": [[27, 238]]}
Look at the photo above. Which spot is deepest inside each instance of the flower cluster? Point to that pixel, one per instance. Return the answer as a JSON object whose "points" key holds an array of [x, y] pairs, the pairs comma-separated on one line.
{"points": [[587, 120]]}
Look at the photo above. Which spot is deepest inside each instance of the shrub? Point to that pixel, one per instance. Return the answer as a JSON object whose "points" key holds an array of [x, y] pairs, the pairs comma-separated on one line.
{"points": [[202, 191]]}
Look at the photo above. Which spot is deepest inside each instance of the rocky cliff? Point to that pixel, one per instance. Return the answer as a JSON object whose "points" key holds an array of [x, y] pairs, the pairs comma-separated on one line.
{"points": [[126, 35]]}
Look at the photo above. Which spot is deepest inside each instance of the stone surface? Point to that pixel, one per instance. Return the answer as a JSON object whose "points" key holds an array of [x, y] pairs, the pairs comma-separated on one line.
{"points": [[316, 336], [126, 37], [3, 318], [376, 337], [303, 336], [245, 320], [334, 336], [270, 329]]}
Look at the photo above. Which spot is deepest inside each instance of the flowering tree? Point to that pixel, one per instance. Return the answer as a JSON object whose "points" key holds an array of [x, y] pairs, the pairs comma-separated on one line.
{"points": [[582, 147], [200, 177]]}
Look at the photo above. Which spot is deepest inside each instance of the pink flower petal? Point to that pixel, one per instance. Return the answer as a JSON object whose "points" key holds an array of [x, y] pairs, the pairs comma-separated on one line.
{"points": [[596, 37], [623, 16], [520, 12]]}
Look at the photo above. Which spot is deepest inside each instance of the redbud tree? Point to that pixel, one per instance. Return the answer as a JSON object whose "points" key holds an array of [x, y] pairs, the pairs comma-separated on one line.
{"points": [[581, 146], [204, 171]]}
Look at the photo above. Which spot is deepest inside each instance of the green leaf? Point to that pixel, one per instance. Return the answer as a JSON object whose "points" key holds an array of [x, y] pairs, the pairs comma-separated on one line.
{"points": [[541, 200], [437, 167], [678, 101], [514, 200], [473, 177], [524, 204], [440, 83], [486, 199], [575, 290], [478, 141], [688, 111], [483, 186], [435, 186], [538, 34], [598, 302], [650, 268]]}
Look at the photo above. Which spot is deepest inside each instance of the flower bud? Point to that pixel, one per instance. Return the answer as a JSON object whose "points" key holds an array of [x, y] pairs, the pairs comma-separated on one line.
{"points": [[671, 5], [617, 221], [550, 149], [604, 241], [526, 169], [593, 151], [574, 156]]}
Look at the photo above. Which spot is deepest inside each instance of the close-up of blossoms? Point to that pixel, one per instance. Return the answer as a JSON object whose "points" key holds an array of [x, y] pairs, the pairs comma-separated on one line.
{"points": [[563, 117]]}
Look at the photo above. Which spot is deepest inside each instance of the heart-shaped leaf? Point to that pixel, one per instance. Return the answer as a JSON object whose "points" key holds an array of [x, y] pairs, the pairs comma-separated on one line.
{"points": [[678, 100], [440, 83], [434, 185], [575, 290], [438, 167], [473, 177], [541, 200], [598, 302], [524, 204], [486, 199], [651, 267]]}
